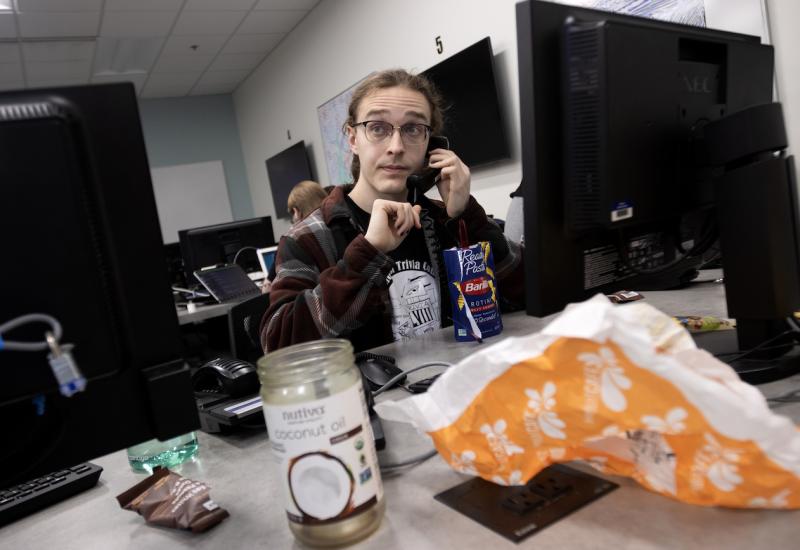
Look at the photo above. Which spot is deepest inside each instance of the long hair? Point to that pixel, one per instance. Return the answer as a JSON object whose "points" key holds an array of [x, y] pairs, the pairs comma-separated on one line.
{"points": [[390, 79]]}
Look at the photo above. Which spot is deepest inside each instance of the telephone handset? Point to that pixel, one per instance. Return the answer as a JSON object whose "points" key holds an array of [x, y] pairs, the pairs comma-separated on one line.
{"points": [[421, 183]]}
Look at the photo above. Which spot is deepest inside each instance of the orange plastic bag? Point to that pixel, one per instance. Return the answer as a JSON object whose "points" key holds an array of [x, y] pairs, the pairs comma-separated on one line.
{"points": [[623, 388]]}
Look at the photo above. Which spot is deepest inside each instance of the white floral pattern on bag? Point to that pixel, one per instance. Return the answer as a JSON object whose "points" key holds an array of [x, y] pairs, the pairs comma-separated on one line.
{"points": [[718, 464], [612, 377], [540, 416], [464, 463], [672, 423], [502, 447], [778, 500], [514, 479]]}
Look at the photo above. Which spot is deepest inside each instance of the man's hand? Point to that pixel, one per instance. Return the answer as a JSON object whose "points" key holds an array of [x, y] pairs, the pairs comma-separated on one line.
{"points": [[454, 183], [390, 222]]}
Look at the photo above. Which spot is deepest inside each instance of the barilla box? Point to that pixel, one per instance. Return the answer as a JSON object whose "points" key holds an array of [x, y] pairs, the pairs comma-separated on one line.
{"points": [[473, 292]]}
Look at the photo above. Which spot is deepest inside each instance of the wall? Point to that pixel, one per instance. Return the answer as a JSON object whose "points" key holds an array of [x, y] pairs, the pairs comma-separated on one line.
{"points": [[784, 15], [198, 129], [341, 41]]}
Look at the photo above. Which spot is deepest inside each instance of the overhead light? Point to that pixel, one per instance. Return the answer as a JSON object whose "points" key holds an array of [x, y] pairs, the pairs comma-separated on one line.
{"points": [[126, 55], [5, 5]]}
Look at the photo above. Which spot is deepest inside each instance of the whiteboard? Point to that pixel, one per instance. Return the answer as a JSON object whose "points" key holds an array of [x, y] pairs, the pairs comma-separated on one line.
{"points": [[190, 195]]}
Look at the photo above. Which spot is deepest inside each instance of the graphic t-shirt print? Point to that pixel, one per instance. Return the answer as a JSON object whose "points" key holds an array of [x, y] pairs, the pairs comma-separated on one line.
{"points": [[414, 294]]}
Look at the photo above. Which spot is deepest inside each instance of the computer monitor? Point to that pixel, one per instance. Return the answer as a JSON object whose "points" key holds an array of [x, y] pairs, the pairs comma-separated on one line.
{"points": [[473, 118], [219, 244], [618, 189], [74, 180], [285, 170]]}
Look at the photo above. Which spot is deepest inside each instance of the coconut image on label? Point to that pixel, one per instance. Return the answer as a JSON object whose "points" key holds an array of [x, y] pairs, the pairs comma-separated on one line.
{"points": [[321, 485]]}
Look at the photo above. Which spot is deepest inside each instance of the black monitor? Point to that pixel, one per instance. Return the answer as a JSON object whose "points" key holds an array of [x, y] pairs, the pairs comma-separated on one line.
{"points": [[473, 119], [619, 186], [221, 243], [285, 170], [82, 243]]}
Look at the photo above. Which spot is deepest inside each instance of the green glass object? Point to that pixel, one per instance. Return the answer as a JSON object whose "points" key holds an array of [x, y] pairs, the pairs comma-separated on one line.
{"points": [[146, 456]]}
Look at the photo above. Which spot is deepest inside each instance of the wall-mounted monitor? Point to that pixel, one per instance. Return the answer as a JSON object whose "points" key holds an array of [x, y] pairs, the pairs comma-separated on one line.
{"points": [[285, 170], [473, 118]]}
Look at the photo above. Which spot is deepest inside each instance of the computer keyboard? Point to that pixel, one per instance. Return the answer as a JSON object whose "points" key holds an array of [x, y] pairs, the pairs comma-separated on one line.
{"points": [[29, 497]]}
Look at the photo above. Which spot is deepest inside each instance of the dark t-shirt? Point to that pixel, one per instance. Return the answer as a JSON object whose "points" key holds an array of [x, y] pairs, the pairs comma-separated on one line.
{"points": [[413, 290]]}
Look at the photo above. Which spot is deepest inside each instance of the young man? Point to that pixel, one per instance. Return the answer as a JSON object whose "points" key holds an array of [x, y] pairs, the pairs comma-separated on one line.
{"points": [[367, 265]]}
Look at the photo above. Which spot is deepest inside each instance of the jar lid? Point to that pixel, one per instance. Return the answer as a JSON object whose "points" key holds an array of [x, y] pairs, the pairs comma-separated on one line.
{"points": [[305, 362]]}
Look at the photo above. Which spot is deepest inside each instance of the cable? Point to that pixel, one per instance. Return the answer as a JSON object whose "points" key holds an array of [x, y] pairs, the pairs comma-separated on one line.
{"points": [[24, 320], [704, 242], [236, 256], [400, 376], [388, 468], [760, 347], [65, 369], [788, 397]]}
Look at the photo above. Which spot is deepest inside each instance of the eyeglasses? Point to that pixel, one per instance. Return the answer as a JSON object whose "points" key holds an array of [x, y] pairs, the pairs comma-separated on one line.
{"points": [[377, 131]]}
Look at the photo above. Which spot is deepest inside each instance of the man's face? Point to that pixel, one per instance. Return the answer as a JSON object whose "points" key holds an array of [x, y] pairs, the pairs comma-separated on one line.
{"points": [[385, 165]]}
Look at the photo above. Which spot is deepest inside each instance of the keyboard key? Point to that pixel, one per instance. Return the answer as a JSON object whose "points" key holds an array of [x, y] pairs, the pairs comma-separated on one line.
{"points": [[29, 497]]}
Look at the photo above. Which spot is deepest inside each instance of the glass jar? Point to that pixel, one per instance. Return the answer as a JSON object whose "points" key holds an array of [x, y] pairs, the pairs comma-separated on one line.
{"points": [[146, 456], [319, 429]]}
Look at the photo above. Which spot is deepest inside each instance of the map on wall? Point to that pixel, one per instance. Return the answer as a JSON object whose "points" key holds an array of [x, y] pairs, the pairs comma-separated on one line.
{"points": [[688, 12], [332, 115]]}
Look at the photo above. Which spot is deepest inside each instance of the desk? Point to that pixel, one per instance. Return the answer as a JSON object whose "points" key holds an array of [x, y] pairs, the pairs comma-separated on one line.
{"points": [[242, 477], [203, 312]]}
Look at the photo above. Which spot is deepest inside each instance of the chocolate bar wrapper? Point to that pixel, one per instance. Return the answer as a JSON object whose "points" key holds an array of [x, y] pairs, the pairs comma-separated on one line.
{"points": [[170, 500]]}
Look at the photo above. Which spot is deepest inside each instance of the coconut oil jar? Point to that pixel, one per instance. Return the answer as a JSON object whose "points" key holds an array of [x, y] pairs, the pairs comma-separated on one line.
{"points": [[319, 429]]}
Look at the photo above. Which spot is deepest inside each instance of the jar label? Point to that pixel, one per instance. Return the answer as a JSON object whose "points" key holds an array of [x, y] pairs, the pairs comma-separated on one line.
{"points": [[329, 467]]}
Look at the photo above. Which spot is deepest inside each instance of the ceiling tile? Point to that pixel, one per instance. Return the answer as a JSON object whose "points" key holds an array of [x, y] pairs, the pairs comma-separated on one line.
{"points": [[9, 53], [286, 4], [212, 5], [153, 90], [137, 24], [58, 24], [59, 5], [208, 22], [138, 79], [10, 72], [173, 79], [143, 5], [124, 55], [258, 22], [56, 82], [58, 51], [223, 77], [7, 27], [182, 45], [48, 70], [211, 89], [252, 43], [17, 85], [234, 61], [182, 63]]}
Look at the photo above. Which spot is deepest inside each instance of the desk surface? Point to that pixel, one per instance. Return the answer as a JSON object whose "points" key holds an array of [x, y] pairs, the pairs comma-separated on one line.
{"points": [[203, 312], [241, 473]]}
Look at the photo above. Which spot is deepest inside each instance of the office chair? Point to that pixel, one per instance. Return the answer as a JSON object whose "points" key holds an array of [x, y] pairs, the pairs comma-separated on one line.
{"points": [[244, 320]]}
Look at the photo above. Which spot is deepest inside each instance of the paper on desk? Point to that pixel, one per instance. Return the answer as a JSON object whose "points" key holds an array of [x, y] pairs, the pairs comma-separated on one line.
{"points": [[623, 388]]}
